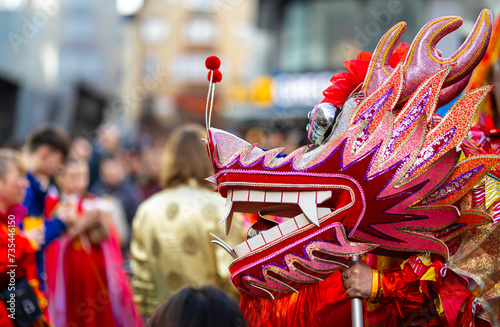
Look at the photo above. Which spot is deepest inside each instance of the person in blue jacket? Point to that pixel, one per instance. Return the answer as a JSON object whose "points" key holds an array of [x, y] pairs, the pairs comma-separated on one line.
{"points": [[44, 153]]}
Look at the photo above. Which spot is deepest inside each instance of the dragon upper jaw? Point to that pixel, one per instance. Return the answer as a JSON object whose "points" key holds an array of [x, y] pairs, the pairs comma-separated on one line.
{"points": [[306, 200], [301, 206]]}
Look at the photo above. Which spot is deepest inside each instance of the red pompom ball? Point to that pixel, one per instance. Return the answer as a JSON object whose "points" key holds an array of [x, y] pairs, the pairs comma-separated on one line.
{"points": [[217, 76], [212, 62]]}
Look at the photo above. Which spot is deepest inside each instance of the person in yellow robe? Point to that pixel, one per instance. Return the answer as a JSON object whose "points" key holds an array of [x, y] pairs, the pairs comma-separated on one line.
{"points": [[171, 243]]}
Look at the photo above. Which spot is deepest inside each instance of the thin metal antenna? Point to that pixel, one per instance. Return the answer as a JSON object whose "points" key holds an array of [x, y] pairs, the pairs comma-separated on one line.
{"points": [[211, 106], [207, 121]]}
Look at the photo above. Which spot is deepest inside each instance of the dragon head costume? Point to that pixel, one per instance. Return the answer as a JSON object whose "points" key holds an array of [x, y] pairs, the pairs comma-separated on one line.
{"points": [[384, 174]]}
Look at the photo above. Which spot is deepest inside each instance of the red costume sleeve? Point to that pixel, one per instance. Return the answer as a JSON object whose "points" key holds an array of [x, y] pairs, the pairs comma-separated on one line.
{"points": [[24, 260], [424, 292]]}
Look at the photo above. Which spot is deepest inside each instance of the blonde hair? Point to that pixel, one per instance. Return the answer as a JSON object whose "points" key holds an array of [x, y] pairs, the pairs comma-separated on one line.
{"points": [[9, 155], [185, 157]]}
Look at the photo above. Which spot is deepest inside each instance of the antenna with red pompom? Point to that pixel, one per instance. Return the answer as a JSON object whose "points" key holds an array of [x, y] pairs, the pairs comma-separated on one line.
{"points": [[214, 76]]}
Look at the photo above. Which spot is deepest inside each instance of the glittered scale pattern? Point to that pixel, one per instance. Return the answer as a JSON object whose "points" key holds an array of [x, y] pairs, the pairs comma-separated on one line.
{"points": [[453, 187], [389, 157], [401, 183]]}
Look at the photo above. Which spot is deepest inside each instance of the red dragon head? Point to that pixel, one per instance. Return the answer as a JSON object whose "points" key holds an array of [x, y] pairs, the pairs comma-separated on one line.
{"points": [[384, 178]]}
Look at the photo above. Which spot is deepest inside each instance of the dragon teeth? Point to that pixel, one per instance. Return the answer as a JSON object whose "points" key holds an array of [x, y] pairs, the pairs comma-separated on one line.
{"points": [[307, 201], [276, 232]]}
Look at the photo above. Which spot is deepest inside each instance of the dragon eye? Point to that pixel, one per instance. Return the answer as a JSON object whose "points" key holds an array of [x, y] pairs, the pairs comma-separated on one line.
{"points": [[322, 120]]}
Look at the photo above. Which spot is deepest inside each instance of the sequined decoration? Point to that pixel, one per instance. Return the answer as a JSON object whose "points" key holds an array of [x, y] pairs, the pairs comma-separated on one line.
{"points": [[408, 120], [452, 187], [478, 194], [492, 190], [431, 150], [496, 213], [479, 258]]}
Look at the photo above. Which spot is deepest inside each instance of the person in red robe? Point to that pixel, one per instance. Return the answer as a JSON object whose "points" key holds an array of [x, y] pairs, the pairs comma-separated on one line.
{"points": [[17, 255], [87, 285]]}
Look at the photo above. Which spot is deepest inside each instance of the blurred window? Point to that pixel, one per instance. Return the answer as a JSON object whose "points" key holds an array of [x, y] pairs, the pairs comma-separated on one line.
{"points": [[154, 30], [77, 64], [79, 4], [318, 35], [200, 31], [190, 68], [150, 66], [79, 28], [199, 5], [12, 5]]}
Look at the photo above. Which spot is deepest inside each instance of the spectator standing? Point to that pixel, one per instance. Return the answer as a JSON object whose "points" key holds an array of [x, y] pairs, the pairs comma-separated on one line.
{"points": [[45, 152], [115, 183], [171, 243], [17, 256], [87, 262]]}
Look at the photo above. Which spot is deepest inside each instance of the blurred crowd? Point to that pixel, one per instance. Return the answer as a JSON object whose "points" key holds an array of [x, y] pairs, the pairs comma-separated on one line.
{"points": [[96, 234]]}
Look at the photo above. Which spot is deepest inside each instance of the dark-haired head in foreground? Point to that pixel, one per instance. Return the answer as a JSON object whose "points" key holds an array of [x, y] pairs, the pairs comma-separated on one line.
{"points": [[198, 307]]}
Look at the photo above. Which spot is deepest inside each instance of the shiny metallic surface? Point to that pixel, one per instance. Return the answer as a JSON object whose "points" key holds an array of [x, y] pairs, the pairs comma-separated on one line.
{"points": [[322, 120], [357, 305]]}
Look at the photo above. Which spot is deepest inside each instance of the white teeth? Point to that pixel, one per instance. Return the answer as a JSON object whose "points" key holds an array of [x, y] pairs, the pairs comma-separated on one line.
{"points": [[223, 245], [276, 232], [239, 195], [229, 207], [256, 196], [256, 242], [307, 203], [290, 197], [228, 212], [271, 234], [273, 197]]}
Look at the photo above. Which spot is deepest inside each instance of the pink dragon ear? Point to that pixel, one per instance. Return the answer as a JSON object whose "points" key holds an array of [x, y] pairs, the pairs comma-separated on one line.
{"points": [[424, 59]]}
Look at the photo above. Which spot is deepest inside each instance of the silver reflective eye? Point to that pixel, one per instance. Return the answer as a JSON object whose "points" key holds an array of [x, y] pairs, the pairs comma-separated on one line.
{"points": [[322, 120]]}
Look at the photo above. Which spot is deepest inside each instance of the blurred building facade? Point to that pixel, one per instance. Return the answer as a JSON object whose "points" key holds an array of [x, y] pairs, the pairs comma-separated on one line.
{"points": [[63, 57], [309, 40], [81, 62], [167, 44]]}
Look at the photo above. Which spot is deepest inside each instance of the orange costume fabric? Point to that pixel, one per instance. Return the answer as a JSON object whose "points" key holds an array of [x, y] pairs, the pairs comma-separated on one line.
{"points": [[25, 260]]}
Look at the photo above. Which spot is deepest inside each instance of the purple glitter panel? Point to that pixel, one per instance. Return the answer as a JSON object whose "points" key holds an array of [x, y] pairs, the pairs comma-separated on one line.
{"points": [[368, 116], [412, 116], [431, 150], [452, 187], [373, 109]]}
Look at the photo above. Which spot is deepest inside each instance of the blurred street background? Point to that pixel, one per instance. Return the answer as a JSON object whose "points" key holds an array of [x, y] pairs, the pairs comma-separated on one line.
{"points": [[139, 64]]}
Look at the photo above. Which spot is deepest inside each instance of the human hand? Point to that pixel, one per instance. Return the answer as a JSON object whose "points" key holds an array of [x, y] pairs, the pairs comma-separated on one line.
{"points": [[357, 280], [91, 218], [37, 235], [67, 215]]}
